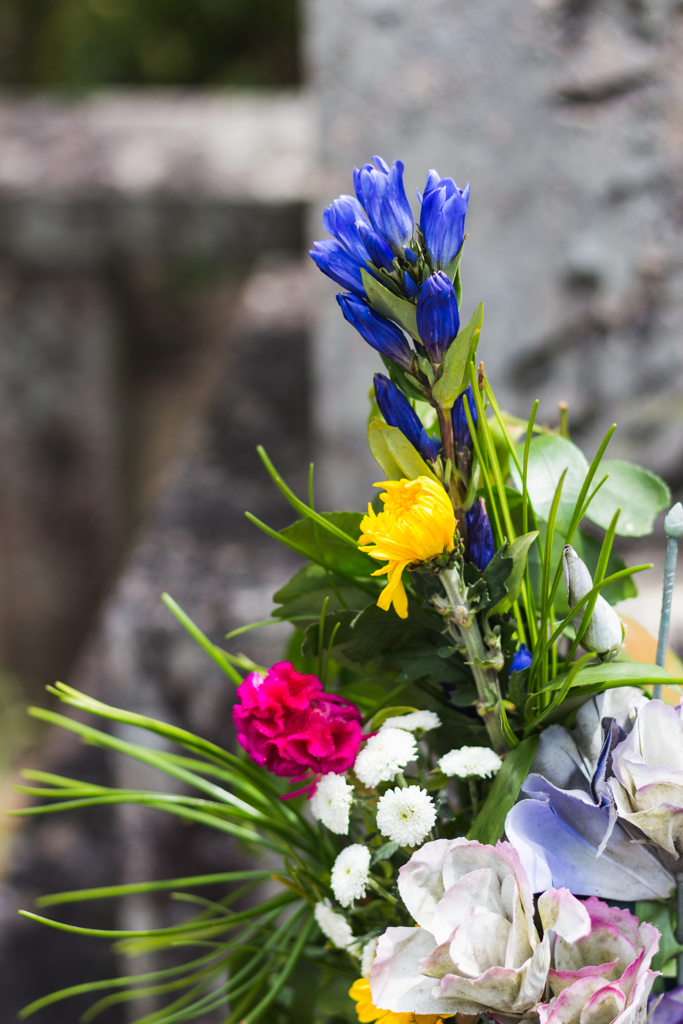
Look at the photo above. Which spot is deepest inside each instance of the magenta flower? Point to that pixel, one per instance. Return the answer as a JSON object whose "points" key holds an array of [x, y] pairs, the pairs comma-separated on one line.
{"points": [[289, 725]]}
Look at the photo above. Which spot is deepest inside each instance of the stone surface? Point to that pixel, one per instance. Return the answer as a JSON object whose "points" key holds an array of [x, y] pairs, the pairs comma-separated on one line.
{"points": [[196, 544], [116, 296], [566, 117]]}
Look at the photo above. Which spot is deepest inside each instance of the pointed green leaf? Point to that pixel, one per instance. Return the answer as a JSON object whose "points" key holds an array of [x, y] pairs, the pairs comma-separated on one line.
{"points": [[457, 358], [517, 551], [317, 543], [404, 313], [395, 454], [489, 824]]}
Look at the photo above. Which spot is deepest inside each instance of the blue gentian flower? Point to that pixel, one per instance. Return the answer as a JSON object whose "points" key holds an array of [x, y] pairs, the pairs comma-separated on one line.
{"points": [[398, 412], [438, 319], [331, 257], [461, 430], [480, 543], [343, 219], [385, 337], [381, 193], [442, 220], [522, 659], [378, 250]]}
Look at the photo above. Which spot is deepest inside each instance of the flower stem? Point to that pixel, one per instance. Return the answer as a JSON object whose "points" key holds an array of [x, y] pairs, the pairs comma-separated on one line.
{"points": [[474, 797], [465, 630]]}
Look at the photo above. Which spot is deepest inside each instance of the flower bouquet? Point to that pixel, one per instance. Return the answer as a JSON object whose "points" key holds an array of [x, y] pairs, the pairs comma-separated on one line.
{"points": [[459, 793]]}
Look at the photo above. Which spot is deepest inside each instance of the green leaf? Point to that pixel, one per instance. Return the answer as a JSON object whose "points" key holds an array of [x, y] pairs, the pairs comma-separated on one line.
{"points": [[303, 597], [454, 265], [640, 494], [496, 573], [425, 662], [383, 852], [517, 551], [315, 542], [395, 454], [381, 716], [364, 636], [489, 824], [549, 456], [401, 311], [458, 356], [638, 673], [662, 916]]}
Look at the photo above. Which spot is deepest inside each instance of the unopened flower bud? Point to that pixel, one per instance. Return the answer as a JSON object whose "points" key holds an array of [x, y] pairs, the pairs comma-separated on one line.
{"points": [[605, 632], [398, 412], [438, 319], [384, 336]]}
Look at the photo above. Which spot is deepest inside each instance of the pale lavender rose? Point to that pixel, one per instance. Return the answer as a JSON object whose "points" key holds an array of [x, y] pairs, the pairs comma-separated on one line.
{"points": [[648, 769], [476, 948], [604, 977]]}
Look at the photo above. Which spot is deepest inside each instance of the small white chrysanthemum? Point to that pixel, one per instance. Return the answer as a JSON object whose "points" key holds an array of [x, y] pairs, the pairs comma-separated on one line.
{"points": [[369, 950], [333, 925], [481, 761], [350, 874], [424, 720], [405, 815], [331, 803], [384, 755]]}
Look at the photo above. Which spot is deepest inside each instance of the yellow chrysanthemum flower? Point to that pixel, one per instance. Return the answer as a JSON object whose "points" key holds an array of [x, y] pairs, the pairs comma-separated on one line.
{"points": [[417, 523], [367, 1012]]}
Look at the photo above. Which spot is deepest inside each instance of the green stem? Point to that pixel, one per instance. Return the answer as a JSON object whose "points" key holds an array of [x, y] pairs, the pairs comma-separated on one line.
{"points": [[466, 631], [474, 796]]}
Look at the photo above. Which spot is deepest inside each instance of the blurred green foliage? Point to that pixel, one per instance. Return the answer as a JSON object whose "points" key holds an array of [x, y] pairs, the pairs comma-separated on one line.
{"points": [[79, 44]]}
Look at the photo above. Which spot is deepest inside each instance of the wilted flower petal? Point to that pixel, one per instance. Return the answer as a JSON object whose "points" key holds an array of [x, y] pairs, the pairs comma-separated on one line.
{"points": [[476, 942], [648, 765]]}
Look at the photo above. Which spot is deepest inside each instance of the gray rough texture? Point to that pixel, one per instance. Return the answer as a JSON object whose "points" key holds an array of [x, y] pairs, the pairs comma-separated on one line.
{"points": [[566, 116], [127, 223], [196, 544]]}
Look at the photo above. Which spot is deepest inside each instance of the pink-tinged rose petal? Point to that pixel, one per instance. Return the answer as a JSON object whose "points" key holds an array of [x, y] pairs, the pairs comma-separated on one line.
{"points": [[564, 914], [479, 943], [395, 980], [604, 1006], [479, 889], [602, 978]]}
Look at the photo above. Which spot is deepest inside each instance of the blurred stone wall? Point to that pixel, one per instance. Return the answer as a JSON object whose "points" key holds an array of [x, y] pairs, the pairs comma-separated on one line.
{"points": [[566, 116], [128, 223]]}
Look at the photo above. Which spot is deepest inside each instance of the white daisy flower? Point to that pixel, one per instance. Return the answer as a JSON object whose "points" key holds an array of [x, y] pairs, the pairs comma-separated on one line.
{"points": [[405, 815], [369, 950], [384, 755], [333, 925], [331, 803], [350, 874], [424, 720], [468, 761]]}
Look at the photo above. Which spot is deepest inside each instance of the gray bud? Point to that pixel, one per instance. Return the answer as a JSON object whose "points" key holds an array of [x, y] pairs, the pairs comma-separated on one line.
{"points": [[673, 522], [605, 632]]}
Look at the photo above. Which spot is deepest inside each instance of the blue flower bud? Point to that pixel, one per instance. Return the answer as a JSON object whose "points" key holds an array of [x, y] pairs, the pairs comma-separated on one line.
{"points": [[382, 195], [438, 319], [411, 256], [332, 258], [442, 220], [522, 659], [409, 287], [398, 412], [461, 430], [480, 543], [385, 337], [343, 219], [377, 249]]}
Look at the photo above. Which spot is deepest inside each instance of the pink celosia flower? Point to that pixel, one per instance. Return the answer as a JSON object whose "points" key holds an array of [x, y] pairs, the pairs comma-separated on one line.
{"points": [[287, 723]]}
